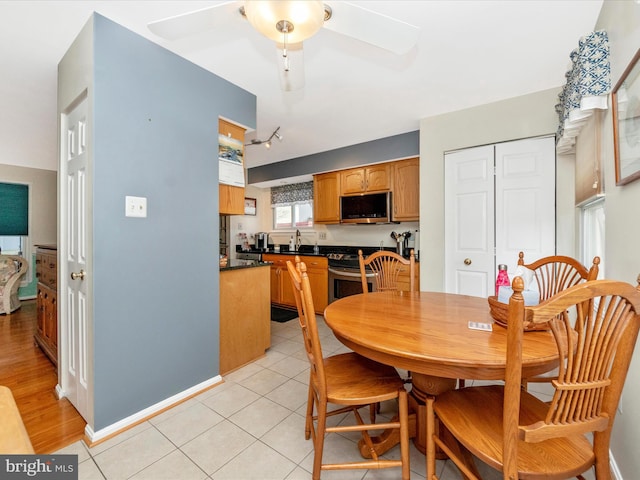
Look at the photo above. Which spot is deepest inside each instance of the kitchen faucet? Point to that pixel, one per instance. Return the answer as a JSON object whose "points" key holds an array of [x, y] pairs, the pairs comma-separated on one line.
{"points": [[298, 240]]}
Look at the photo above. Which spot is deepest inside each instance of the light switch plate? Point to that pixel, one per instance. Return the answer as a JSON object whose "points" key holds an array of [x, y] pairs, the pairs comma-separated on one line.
{"points": [[135, 207]]}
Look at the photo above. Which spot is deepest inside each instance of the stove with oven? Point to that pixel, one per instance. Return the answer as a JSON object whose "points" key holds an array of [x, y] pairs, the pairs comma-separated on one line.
{"points": [[344, 273]]}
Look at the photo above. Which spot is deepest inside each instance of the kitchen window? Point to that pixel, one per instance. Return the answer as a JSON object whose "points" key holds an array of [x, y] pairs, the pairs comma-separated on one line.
{"points": [[292, 206]]}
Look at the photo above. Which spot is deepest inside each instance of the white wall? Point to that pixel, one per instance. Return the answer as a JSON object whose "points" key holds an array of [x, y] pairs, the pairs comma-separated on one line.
{"points": [[622, 212], [512, 119], [532, 114]]}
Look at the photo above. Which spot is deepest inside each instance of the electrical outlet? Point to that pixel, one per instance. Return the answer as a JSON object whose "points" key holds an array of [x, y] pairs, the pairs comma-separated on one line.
{"points": [[322, 235], [135, 206]]}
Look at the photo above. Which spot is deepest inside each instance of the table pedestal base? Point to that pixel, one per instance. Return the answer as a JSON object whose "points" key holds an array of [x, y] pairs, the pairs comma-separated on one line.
{"points": [[423, 386]]}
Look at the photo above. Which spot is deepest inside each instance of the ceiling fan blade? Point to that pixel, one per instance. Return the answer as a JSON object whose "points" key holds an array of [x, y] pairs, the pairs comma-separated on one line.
{"points": [[292, 78], [372, 27], [179, 26]]}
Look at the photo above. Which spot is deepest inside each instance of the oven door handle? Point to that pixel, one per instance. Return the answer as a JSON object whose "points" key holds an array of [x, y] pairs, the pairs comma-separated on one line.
{"points": [[350, 274]]}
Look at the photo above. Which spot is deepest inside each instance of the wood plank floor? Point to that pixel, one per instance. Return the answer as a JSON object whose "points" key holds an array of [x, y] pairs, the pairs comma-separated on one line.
{"points": [[51, 423]]}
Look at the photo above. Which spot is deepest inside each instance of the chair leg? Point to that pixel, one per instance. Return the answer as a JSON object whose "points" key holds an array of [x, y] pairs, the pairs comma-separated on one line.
{"points": [[431, 446], [308, 426], [403, 411], [318, 441]]}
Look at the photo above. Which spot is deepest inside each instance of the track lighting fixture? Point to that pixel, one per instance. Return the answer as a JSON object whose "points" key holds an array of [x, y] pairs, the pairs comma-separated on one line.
{"points": [[267, 142]]}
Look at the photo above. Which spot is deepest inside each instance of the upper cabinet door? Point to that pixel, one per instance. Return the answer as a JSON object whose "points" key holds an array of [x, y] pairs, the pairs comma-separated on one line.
{"points": [[326, 198], [230, 198], [375, 178], [406, 190], [378, 178]]}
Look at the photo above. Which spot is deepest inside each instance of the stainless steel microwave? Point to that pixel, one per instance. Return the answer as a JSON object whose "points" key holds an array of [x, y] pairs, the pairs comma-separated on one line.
{"points": [[366, 208]]}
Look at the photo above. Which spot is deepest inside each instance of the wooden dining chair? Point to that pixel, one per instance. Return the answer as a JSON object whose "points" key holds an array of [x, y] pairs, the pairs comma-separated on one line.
{"points": [[350, 381], [386, 267], [557, 272], [554, 274], [595, 326]]}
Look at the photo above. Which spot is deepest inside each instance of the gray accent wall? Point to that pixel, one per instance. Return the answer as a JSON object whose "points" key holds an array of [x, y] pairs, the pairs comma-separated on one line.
{"points": [[156, 279], [400, 146]]}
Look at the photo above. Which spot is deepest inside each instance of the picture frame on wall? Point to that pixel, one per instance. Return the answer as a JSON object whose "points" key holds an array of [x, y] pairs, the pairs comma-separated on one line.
{"points": [[250, 206], [625, 100]]}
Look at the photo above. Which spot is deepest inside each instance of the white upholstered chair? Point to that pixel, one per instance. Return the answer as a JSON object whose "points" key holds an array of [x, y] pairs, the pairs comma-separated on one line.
{"points": [[12, 268]]}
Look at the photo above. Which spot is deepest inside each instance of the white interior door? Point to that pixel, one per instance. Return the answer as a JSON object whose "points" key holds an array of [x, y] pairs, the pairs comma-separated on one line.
{"points": [[490, 217], [469, 216], [74, 313], [525, 200]]}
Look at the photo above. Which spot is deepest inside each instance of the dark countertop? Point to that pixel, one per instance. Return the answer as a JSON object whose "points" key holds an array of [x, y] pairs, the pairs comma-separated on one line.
{"points": [[301, 252], [234, 264], [325, 250]]}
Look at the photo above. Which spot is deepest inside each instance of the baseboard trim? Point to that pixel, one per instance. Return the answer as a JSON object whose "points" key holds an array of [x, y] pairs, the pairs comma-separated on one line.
{"points": [[59, 392], [614, 467], [93, 438]]}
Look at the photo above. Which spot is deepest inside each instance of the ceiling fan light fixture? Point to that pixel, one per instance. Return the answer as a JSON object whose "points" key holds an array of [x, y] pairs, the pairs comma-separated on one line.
{"points": [[300, 18]]}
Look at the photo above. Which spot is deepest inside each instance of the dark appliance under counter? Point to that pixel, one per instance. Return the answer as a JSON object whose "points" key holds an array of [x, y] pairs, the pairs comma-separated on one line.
{"points": [[346, 281], [344, 273]]}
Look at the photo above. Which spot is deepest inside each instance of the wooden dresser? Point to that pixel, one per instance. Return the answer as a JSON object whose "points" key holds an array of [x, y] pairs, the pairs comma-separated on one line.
{"points": [[47, 301]]}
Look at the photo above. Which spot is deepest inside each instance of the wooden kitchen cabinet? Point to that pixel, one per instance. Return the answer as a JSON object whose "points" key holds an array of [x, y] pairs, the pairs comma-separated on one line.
{"points": [[403, 279], [245, 316], [318, 272], [281, 289], [46, 335], [326, 198], [406, 190], [371, 179], [230, 198]]}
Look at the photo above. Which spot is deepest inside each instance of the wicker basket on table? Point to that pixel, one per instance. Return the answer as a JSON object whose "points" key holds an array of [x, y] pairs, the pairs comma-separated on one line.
{"points": [[500, 313]]}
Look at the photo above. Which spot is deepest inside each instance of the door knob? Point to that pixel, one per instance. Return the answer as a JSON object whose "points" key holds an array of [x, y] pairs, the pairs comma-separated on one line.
{"points": [[76, 275], [467, 261]]}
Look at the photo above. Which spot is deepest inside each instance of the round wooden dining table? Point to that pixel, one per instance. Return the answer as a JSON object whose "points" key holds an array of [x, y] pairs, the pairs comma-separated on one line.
{"points": [[428, 334]]}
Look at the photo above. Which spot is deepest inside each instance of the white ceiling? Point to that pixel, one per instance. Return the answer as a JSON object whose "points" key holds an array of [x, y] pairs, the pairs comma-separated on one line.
{"points": [[469, 53]]}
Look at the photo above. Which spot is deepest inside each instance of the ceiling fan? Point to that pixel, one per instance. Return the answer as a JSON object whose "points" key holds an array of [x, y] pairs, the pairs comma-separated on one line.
{"points": [[289, 23]]}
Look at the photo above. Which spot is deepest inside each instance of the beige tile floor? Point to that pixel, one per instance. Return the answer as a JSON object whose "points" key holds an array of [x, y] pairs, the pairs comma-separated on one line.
{"points": [[249, 427]]}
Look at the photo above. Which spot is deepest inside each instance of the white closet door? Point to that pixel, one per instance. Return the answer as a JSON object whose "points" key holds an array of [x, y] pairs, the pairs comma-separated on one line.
{"points": [[525, 200], [499, 200], [469, 214]]}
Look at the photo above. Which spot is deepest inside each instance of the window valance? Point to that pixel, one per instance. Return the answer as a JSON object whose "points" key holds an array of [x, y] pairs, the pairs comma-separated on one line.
{"points": [[293, 193], [588, 85]]}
